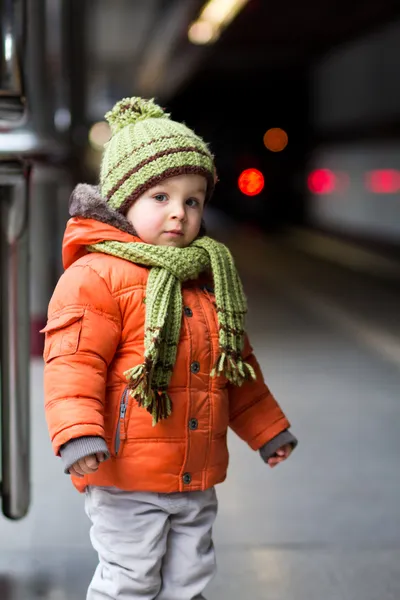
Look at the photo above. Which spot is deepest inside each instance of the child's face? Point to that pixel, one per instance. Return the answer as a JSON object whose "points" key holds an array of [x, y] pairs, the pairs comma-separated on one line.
{"points": [[169, 214]]}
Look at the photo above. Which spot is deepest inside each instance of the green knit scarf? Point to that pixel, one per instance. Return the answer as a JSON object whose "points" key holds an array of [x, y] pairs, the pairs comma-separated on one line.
{"points": [[170, 266]]}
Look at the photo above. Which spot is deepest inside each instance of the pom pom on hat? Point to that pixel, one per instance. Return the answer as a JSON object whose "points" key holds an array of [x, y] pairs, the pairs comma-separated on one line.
{"points": [[129, 111]]}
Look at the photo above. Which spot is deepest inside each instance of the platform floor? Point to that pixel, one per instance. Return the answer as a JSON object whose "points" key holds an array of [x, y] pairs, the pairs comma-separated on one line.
{"points": [[323, 526]]}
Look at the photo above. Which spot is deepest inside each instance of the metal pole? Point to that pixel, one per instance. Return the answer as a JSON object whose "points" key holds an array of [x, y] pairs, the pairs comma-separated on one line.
{"points": [[12, 38], [14, 275], [14, 338]]}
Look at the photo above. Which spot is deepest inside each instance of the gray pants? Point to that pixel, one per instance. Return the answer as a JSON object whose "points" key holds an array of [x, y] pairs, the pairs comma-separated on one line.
{"points": [[151, 546]]}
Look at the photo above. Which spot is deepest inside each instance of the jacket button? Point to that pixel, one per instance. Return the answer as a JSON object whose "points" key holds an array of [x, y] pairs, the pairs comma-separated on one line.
{"points": [[188, 311], [193, 424], [187, 478], [195, 367]]}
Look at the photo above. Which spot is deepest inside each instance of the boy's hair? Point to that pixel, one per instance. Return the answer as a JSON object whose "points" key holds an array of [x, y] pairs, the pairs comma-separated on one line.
{"points": [[146, 147]]}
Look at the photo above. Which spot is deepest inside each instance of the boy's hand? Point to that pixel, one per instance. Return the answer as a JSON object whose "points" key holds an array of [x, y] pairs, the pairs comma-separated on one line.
{"points": [[88, 464], [280, 455]]}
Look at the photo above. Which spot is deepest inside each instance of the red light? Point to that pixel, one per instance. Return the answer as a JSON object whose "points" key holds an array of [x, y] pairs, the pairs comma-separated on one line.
{"points": [[251, 182], [322, 181], [383, 181]]}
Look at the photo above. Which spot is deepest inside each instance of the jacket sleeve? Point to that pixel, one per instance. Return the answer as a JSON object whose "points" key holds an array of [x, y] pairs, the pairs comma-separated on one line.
{"points": [[77, 449], [255, 415], [282, 439], [82, 334]]}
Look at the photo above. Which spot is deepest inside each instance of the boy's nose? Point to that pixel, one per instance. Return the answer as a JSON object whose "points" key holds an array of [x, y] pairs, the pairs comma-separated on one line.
{"points": [[179, 213]]}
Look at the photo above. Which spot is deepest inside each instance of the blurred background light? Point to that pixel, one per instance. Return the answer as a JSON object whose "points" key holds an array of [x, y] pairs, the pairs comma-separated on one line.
{"points": [[99, 134], [214, 17], [275, 139], [62, 119], [383, 181], [321, 181], [222, 12], [18, 141], [203, 32], [8, 46], [251, 182]]}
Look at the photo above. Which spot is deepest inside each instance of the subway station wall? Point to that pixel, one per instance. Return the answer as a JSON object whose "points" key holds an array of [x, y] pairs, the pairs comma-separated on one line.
{"points": [[359, 82], [354, 185], [355, 189]]}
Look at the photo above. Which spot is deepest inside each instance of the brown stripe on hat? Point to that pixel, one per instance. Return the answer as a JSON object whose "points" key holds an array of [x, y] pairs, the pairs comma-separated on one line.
{"points": [[137, 149], [161, 154]]}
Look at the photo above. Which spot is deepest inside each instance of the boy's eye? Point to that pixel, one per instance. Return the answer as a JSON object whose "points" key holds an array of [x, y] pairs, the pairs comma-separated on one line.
{"points": [[160, 197], [192, 202]]}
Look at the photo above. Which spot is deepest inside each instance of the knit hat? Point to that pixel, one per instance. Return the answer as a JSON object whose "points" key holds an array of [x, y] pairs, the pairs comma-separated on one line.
{"points": [[147, 147]]}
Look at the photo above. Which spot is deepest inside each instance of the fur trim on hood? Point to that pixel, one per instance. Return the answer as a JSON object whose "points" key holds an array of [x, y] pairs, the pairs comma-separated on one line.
{"points": [[87, 202]]}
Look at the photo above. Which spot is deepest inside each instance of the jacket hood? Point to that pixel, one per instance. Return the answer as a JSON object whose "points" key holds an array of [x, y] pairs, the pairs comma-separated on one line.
{"points": [[93, 221]]}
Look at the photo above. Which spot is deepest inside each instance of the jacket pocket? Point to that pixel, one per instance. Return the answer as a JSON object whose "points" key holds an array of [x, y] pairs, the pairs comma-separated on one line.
{"points": [[62, 334], [120, 433]]}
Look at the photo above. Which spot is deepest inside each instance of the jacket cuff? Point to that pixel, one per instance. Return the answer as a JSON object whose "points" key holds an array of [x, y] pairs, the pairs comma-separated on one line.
{"points": [[80, 447], [269, 449]]}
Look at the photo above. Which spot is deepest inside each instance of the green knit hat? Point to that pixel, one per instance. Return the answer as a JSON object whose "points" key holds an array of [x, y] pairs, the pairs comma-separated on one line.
{"points": [[146, 147]]}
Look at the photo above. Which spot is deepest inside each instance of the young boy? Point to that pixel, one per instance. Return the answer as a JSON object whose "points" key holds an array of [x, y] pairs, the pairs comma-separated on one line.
{"points": [[147, 362]]}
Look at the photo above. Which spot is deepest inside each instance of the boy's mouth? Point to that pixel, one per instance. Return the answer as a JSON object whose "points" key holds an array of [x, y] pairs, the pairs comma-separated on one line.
{"points": [[174, 232]]}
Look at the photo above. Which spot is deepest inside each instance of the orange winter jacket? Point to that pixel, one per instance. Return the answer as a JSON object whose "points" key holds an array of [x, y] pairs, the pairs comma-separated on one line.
{"points": [[95, 332]]}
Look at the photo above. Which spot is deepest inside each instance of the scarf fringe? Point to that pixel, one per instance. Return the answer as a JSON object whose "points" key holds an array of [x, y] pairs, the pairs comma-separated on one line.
{"points": [[236, 371], [156, 402]]}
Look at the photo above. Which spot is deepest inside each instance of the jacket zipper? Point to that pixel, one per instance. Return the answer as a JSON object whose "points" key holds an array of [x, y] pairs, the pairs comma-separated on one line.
{"points": [[121, 432], [211, 298]]}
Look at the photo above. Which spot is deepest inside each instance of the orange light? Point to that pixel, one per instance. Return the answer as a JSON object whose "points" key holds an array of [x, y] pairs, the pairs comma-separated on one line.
{"points": [[322, 181], [383, 181], [251, 182], [99, 134], [276, 139]]}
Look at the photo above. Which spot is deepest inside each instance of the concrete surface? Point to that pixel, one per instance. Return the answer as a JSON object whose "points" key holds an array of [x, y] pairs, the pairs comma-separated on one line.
{"points": [[323, 526]]}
